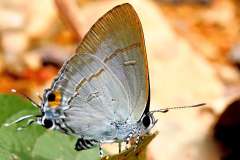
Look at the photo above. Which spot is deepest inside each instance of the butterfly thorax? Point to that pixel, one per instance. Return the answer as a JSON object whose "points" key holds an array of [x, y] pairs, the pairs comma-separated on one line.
{"points": [[133, 129], [123, 129]]}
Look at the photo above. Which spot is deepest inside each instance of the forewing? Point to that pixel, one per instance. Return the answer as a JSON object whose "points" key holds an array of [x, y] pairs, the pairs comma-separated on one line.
{"points": [[117, 39]]}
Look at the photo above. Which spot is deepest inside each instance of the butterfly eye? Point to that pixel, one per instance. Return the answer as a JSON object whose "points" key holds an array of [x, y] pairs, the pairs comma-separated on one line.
{"points": [[47, 123], [146, 121]]}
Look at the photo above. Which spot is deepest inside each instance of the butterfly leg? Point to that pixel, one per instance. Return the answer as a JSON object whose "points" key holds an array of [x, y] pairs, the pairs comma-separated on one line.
{"points": [[131, 134], [136, 142], [128, 140], [126, 145], [119, 147], [100, 150]]}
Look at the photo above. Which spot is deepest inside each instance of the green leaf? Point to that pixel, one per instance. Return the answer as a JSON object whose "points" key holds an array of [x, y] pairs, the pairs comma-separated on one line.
{"points": [[60, 147]]}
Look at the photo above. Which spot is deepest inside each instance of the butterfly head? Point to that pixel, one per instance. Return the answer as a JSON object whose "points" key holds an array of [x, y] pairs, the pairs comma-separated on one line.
{"points": [[51, 109]]}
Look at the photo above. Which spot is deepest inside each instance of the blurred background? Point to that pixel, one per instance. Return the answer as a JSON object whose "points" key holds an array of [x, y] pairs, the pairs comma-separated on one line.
{"points": [[193, 49]]}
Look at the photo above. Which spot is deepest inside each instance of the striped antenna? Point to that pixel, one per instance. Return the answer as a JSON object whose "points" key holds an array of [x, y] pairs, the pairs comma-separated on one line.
{"points": [[18, 120], [36, 119], [164, 110]]}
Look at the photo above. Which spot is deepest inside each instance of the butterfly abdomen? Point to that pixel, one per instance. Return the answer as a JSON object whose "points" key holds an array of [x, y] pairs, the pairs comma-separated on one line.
{"points": [[83, 144]]}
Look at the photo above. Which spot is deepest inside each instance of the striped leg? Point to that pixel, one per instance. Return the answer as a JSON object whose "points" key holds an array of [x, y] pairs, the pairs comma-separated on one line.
{"points": [[119, 147], [83, 144], [137, 140], [100, 150], [126, 145], [131, 134], [128, 140]]}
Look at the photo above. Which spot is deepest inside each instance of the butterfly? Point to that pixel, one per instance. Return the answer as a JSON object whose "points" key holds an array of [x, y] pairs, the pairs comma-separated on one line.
{"points": [[102, 93]]}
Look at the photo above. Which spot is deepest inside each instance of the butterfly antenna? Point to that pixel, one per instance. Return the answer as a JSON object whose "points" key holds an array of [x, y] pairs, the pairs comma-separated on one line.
{"points": [[37, 120], [164, 110], [25, 96], [18, 120]]}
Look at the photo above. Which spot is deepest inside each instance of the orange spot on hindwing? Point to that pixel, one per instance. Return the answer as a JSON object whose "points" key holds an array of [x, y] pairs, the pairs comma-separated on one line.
{"points": [[54, 99]]}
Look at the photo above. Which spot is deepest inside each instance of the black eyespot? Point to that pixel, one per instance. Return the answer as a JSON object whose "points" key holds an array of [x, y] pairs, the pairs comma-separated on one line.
{"points": [[51, 97], [146, 121], [47, 123]]}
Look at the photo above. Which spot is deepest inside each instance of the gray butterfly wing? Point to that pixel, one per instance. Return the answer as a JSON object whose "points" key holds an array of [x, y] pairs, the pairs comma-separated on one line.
{"points": [[118, 40], [107, 80]]}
